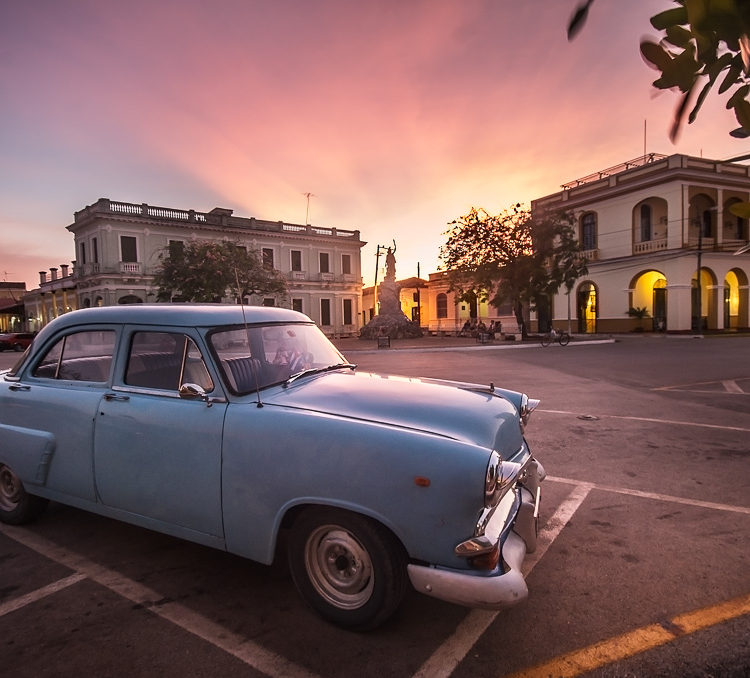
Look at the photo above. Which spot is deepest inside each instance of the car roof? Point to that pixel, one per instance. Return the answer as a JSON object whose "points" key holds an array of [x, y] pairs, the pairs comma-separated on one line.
{"points": [[178, 315]]}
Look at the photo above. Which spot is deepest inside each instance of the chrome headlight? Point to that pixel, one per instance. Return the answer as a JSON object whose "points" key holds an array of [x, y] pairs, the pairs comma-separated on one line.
{"points": [[490, 479], [528, 405], [499, 477]]}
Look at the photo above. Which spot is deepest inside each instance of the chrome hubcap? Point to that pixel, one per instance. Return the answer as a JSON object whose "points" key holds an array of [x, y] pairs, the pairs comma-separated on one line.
{"points": [[339, 567]]}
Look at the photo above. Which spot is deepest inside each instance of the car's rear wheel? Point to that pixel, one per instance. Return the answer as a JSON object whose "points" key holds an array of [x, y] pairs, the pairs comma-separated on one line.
{"points": [[17, 506], [349, 568]]}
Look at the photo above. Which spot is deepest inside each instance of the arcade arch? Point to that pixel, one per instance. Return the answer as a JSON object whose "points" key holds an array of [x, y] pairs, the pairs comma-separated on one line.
{"points": [[648, 289], [587, 311], [735, 301], [703, 300]]}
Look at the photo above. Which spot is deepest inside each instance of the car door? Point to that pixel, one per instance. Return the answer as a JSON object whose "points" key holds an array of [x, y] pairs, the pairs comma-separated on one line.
{"points": [[158, 455], [54, 406]]}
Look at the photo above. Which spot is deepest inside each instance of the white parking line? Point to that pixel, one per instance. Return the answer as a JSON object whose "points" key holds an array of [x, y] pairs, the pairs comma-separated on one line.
{"points": [[38, 594], [729, 386], [654, 495], [247, 651], [669, 422], [440, 664], [446, 658], [732, 386]]}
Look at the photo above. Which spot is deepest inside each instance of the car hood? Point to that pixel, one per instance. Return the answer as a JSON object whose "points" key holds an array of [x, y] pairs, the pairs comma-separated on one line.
{"points": [[466, 412]]}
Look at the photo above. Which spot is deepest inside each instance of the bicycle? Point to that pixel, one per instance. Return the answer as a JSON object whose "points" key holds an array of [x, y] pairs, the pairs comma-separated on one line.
{"points": [[561, 337]]}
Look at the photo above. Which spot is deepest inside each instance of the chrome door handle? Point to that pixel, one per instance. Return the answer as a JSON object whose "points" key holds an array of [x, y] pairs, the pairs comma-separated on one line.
{"points": [[19, 387], [114, 396]]}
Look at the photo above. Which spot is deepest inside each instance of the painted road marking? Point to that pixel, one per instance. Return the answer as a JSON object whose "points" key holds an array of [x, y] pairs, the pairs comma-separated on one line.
{"points": [[452, 651], [655, 495], [668, 422], [732, 386], [637, 641], [447, 657], [729, 386], [33, 596], [247, 651]]}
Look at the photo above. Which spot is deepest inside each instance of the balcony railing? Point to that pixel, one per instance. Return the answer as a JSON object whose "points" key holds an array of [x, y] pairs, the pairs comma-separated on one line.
{"points": [[91, 268], [131, 267], [591, 255], [649, 246]]}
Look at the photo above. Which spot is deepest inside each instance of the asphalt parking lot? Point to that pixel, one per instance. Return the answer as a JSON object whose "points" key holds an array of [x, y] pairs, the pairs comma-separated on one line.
{"points": [[643, 567]]}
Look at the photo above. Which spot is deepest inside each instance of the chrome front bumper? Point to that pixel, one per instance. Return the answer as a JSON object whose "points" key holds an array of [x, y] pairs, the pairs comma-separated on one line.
{"points": [[489, 590]]}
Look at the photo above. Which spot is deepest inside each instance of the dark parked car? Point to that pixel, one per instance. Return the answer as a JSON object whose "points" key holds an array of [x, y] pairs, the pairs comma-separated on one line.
{"points": [[233, 426], [15, 341]]}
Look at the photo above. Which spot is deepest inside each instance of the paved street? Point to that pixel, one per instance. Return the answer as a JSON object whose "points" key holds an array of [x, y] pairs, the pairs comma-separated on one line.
{"points": [[643, 567]]}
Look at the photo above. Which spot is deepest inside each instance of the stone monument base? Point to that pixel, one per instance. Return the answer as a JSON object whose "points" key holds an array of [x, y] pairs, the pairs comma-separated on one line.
{"points": [[393, 326]]}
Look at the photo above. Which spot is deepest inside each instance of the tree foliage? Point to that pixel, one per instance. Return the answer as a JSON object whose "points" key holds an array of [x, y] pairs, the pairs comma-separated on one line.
{"points": [[210, 271], [704, 42], [512, 257]]}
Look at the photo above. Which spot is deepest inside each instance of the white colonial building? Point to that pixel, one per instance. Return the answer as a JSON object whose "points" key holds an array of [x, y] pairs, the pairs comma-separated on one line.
{"points": [[658, 235], [118, 244]]}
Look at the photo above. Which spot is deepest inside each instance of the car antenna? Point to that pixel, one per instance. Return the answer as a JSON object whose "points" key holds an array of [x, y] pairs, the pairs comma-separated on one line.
{"points": [[253, 368]]}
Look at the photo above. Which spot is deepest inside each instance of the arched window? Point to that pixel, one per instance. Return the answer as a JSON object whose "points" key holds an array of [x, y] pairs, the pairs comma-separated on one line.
{"points": [[442, 305], [645, 223], [588, 231]]}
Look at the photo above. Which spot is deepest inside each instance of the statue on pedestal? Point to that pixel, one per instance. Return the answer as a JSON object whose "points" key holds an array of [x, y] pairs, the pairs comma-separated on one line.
{"points": [[390, 320]]}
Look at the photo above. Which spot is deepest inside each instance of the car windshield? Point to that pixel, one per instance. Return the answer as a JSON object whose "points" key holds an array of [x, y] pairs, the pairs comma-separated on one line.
{"points": [[257, 356]]}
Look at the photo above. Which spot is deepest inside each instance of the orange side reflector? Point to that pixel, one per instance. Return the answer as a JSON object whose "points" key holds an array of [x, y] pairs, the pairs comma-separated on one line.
{"points": [[421, 481]]}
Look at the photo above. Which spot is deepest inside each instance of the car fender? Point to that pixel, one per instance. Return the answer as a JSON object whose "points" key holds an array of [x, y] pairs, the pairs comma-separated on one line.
{"points": [[412, 482], [27, 452]]}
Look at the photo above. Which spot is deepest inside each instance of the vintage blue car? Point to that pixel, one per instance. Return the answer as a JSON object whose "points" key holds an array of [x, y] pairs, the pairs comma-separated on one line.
{"points": [[233, 426]]}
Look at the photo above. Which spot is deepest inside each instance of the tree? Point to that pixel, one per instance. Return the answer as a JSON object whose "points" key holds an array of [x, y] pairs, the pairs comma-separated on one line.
{"points": [[210, 271], [512, 257], [705, 42]]}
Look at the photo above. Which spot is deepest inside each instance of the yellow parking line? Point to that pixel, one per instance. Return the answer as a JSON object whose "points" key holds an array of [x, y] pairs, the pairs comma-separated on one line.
{"points": [[634, 642]]}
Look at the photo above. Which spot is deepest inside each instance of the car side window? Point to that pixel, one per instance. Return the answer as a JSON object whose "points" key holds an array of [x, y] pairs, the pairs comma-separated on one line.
{"points": [[82, 356], [165, 361]]}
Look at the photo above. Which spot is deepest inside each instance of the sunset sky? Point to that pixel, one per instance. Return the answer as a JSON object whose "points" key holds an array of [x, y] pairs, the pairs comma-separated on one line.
{"points": [[397, 115]]}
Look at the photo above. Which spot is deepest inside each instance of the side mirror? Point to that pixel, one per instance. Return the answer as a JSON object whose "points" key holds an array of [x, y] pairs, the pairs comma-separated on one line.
{"points": [[193, 392]]}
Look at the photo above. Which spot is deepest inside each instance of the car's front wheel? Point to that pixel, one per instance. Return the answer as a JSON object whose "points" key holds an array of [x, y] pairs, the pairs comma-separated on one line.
{"points": [[17, 506], [349, 568]]}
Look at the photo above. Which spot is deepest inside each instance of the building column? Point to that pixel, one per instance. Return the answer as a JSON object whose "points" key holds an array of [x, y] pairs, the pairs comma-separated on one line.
{"points": [[715, 307], [679, 312], [685, 226], [719, 218]]}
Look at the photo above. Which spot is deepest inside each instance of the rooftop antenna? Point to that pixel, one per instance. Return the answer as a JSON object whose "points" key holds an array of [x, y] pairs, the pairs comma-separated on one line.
{"points": [[308, 195]]}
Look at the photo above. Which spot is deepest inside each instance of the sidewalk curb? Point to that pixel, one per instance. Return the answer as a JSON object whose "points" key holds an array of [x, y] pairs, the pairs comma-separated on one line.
{"points": [[484, 347]]}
